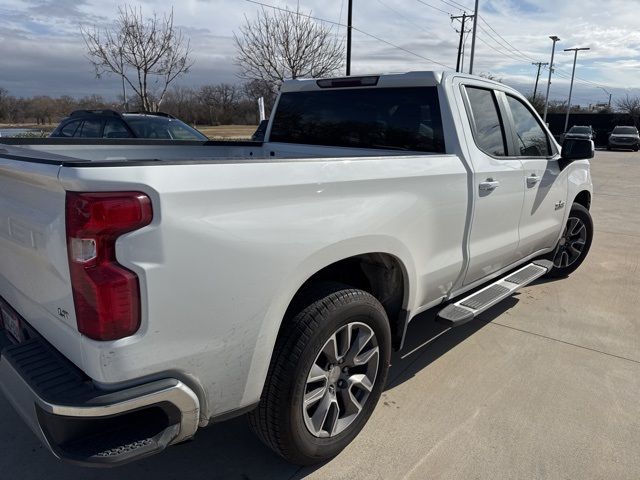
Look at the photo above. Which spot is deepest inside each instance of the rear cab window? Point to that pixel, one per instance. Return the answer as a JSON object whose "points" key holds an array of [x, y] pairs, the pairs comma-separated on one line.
{"points": [[486, 122], [405, 118]]}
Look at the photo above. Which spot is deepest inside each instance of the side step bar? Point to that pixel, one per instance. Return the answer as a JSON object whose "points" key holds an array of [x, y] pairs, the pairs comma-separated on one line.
{"points": [[465, 310]]}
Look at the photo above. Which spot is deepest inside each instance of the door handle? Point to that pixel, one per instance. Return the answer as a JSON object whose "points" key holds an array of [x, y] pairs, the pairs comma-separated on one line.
{"points": [[532, 180], [489, 185]]}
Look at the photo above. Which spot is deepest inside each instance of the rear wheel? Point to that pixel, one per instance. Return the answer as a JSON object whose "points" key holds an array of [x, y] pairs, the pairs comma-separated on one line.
{"points": [[574, 244], [327, 373]]}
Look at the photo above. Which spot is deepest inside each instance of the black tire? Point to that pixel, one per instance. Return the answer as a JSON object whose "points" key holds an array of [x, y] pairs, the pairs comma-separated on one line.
{"points": [[608, 148], [582, 214], [279, 419]]}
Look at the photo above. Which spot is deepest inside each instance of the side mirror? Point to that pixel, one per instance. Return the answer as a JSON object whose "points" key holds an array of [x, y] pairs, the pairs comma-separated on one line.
{"points": [[577, 149]]}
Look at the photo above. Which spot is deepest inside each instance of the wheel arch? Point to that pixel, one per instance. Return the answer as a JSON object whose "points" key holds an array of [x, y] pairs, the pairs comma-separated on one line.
{"points": [[375, 259], [584, 198], [381, 274]]}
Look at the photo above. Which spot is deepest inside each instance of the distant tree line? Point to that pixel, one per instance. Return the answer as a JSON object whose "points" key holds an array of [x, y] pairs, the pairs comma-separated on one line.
{"points": [[220, 104]]}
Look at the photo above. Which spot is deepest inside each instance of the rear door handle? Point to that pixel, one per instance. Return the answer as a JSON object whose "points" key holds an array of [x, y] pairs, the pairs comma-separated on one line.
{"points": [[489, 185], [532, 180]]}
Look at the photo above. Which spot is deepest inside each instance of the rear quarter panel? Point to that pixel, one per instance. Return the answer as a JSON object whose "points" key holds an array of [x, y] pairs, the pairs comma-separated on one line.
{"points": [[231, 243]]}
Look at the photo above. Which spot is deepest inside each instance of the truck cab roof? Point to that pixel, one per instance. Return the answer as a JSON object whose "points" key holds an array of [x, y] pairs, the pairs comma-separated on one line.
{"points": [[385, 80]]}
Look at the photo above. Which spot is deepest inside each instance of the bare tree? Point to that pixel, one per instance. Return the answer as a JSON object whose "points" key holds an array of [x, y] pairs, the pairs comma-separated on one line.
{"points": [[147, 53], [4, 103], [629, 105], [254, 89], [536, 102], [286, 44], [221, 101]]}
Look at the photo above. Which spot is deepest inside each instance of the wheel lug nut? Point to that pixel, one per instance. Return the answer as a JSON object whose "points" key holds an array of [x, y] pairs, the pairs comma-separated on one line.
{"points": [[332, 389], [345, 369]]}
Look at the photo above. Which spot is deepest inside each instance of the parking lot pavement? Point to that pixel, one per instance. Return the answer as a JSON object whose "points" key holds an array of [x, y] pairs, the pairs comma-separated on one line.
{"points": [[545, 385]]}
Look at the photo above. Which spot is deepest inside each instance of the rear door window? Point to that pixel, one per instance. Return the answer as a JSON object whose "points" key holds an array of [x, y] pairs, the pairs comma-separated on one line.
{"points": [[90, 129], [114, 128], [70, 129], [488, 130], [384, 118]]}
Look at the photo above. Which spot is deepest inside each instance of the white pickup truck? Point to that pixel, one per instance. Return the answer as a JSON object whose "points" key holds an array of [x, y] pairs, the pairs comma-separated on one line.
{"points": [[148, 289]]}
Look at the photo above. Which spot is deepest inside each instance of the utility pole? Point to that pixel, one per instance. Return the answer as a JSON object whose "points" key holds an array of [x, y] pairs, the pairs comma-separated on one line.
{"points": [[546, 99], [539, 64], [349, 28], [573, 73], [473, 38], [462, 18]]}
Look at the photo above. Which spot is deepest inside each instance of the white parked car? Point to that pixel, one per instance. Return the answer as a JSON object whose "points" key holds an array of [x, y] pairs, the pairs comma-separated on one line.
{"points": [[149, 289]]}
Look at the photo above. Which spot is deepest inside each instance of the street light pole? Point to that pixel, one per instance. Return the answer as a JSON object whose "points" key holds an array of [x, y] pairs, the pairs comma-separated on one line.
{"points": [[573, 73], [553, 51]]}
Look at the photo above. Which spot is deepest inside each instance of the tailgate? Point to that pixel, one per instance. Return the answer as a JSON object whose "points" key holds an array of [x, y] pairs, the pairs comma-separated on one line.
{"points": [[34, 271]]}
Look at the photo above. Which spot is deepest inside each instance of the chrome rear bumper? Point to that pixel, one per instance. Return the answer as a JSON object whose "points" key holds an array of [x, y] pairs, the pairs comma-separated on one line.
{"points": [[83, 424]]}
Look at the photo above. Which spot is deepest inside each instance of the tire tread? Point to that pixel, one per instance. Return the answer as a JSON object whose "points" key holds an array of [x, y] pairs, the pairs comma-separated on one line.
{"points": [[266, 421]]}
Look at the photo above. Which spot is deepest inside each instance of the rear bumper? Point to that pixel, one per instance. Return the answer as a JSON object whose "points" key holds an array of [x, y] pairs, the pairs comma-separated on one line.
{"points": [[83, 424]]}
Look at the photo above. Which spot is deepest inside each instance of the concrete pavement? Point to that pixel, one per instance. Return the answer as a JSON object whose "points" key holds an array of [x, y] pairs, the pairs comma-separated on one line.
{"points": [[544, 385]]}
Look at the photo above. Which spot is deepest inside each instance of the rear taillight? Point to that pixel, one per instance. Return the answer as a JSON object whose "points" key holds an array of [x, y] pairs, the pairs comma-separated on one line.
{"points": [[106, 295]]}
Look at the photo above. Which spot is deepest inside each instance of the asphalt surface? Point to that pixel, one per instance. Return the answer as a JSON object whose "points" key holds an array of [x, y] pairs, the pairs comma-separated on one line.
{"points": [[545, 385]]}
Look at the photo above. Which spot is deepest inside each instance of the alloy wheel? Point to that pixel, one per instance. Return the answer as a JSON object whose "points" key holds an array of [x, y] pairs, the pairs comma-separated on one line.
{"points": [[571, 244], [340, 380]]}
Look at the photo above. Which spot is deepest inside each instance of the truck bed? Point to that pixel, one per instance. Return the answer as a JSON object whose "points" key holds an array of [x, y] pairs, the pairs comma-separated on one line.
{"points": [[122, 152]]}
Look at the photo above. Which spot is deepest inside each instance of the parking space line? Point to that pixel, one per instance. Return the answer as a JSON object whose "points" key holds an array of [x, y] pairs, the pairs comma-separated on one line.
{"points": [[560, 341]]}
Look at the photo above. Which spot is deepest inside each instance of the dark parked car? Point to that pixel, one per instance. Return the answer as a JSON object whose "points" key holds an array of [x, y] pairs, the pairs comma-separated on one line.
{"points": [[111, 124], [580, 132], [624, 137]]}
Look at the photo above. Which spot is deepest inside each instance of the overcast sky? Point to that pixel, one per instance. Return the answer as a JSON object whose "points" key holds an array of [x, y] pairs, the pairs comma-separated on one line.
{"points": [[41, 50]]}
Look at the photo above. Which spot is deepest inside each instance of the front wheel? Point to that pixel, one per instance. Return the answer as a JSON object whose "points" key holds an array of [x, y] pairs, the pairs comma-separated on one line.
{"points": [[328, 370], [574, 244]]}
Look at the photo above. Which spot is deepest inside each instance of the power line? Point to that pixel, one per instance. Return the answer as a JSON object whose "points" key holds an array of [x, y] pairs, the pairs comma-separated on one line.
{"points": [[404, 16], [375, 37], [459, 5], [434, 7], [509, 53], [515, 50], [506, 41], [449, 4]]}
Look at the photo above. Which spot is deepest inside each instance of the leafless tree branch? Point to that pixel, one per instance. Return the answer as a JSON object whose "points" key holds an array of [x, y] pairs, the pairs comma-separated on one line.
{"points": [[147, 53], [286, 44]]}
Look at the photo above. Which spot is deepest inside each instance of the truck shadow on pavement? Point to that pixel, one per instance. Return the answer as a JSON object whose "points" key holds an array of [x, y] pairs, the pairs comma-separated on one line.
{"points": [[227, 450]]}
